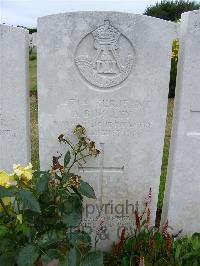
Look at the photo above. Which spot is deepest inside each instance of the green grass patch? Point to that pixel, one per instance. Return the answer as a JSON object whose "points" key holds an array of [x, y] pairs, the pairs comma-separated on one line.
{"points": [[34, 132], [166, 151], [33, 72]]}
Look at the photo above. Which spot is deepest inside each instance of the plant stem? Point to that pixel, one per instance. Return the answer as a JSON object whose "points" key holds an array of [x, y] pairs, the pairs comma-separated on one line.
{"points": [[17, 205], [9, 216], [69, 143], [5, 209], [75, 156], [75, 161]]}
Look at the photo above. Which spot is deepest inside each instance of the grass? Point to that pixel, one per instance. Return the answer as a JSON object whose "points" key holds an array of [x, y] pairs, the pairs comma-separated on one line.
{"points": [[33, 72], [34, 131], [165, 151]]}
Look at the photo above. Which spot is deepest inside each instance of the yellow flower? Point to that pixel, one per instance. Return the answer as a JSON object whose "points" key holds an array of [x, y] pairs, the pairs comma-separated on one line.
{"points": [[6, 201], [5, 179], [19, 218], [24, 173], [175, 49]]}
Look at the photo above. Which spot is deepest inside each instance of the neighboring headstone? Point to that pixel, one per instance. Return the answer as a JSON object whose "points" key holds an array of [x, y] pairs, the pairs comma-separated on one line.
{"points": [[110, 73], [14, 107], [182, 197], [34, 42], [30, 41]]}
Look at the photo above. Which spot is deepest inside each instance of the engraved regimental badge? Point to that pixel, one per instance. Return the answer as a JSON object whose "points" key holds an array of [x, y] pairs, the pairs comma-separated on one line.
{"points": [[105, 57]]}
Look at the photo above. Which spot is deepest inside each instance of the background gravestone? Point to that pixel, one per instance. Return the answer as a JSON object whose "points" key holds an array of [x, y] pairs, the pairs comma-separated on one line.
{"points": [[34, 41], [109, 72], [14, 107], [30, 42], [182, 197]]}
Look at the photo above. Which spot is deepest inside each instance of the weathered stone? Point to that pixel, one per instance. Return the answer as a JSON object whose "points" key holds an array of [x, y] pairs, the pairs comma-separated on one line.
{"points": [[182, 197], [109, 72], [14, 107]]}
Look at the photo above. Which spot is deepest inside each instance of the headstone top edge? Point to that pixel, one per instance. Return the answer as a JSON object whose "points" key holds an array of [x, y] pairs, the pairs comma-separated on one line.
{"points": [[106, 13], [189, 13], [14, 28]]}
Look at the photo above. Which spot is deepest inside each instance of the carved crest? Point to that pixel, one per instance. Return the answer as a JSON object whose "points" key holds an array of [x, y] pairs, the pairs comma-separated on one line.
{"points": [[105, 56]]}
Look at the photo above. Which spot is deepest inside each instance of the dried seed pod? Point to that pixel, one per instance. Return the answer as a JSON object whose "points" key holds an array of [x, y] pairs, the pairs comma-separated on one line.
{"points": [[74, 181], [79, 131]]}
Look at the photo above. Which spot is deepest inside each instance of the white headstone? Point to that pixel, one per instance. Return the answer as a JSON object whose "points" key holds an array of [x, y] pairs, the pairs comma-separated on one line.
{"points": [[182, 197], [109, 72], [14, 107], [34, 42]]}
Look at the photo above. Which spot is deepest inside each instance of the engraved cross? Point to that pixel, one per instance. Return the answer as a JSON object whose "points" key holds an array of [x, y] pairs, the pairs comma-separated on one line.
{"points": [[101, 169]]}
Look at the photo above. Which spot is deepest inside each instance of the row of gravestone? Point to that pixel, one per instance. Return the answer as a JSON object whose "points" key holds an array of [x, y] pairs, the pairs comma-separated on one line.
{"points": [[33, 42], [110, 72]]}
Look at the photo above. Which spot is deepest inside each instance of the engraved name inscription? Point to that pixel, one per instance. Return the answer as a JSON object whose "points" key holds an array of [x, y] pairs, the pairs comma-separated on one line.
{"points": [[104, 57], [107, 117]]}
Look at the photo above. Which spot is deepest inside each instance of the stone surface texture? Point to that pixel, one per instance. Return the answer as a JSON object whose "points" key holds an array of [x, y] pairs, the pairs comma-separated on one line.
{"points": [[182, 196], [14, 103], [109, 72]]}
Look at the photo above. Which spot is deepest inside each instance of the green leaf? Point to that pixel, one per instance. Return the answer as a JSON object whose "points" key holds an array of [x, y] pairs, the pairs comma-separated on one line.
{"points": [[72, 215], [67, 158], [3, 230], [49, 238], [7, 245], [93, 258], [196, 241], [27, 255], [53, 254], [177, 252], [195, 263], [42, 184], [7, 261], [76, 238], [29, 200], [7, 192], [74, 257], [38, 173], [72, 219], [86, 190]]}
